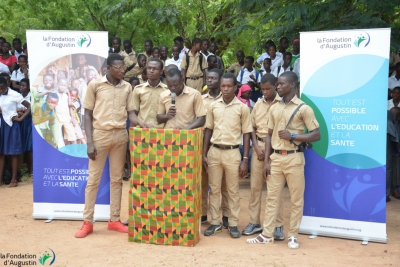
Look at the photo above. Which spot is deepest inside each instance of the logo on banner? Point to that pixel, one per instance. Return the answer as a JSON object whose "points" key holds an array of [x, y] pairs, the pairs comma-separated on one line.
{"points": [[47, 256], [84, 40], [362, 40]]}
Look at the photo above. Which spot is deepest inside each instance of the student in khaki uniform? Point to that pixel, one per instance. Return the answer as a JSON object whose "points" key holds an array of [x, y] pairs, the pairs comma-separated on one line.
{"points": [[108, 101], [228, 119], [128, 54], [188, 113], [238, 66], [214, 93], [287, 160], [146, 96], [259, 120], [148, 47], [134, 69], [193, 74]]}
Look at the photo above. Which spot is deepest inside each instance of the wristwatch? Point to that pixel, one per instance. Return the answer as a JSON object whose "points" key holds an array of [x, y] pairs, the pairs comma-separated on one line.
{"points": [[292, 136]]}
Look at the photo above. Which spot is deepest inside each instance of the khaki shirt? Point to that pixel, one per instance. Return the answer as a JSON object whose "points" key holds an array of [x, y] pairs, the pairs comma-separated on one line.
{"points": [[189, 106], [236, 68], [147, 57], [194, 70], [130, 58], [145, 101], [259, 116], [278, 117], [109, 103], [135, 71], [228, 122], [208, 99]]}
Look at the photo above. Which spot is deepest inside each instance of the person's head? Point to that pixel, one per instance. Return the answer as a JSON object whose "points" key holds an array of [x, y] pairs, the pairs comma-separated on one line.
{"points": [[62, 84], [52, 100], [287, 58], [175, 52], [74, 94], [267, 44], [62, 74], [91, 74], [127, 46], [245, 91], [171, 66], [213, 47], [22, 61], [272, 50], [49, 69], [164, 51], [24, 86], [115, 66], [141, 60], [174, 80], [148, 45], [396, 93], [48, 81], [155, 52], [228, 85], [75, 84], [212, 62], [296, 46], [248, 62], [17, 44], [6, 48], [240, 56], [116, 44], [3, 84], [196, 44], [71, 73], [154, 68], [178, 41], [268, 86], [7, 77], [144, 75], [287, 83], [205, 44], [267, 63], [283, 43], [81, 60], [213, 79], [134, 81]]}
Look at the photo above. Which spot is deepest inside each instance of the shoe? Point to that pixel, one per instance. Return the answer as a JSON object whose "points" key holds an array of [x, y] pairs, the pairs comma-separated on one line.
{"points": [[126, 222], [395, 193], [87, 228], [293, 242], [278, 233], [203, 219], [225, 222], [125, 178], [252, 229], [117, 226], [264, 240], [212, 230], [234, 231]]}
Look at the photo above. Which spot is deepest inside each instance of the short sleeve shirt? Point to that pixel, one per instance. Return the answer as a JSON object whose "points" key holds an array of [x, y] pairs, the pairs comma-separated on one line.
{"points": [[393, 82], [279, 115], [236, 68], [194, 69], [228, 121], [146, 100], [110, 103], [135, 71], [18, 75], [189, 106], [246, 76], [259, 116]]}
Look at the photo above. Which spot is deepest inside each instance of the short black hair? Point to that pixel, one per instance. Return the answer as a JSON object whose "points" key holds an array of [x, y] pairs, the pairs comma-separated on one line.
{"points": [[272, 45], [287, 54], [268, 59], [144, 71], [291, 76], [230, 75], [250, 58], [74, 90], [211, 57], [134, 78], [196, 41], [269, 42], [268, 78], [17, 40], [154, 49], [48, 75], [205, 40], [164, 46], [157, 60], [239, 52], [117, 39], [25, 80], [127, 42], [149, 41], [283, 38], [113, 57], [218, 71], [178, 38], [3, 81], [396, 88], [174, 72], [141, 55], [23, 56], [4, 39], [4, 74], [53, 95], [174, 46]]}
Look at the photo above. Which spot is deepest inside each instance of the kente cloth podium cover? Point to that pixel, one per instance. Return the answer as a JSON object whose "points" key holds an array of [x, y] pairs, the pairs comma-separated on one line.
{"points": [[165, 186]]}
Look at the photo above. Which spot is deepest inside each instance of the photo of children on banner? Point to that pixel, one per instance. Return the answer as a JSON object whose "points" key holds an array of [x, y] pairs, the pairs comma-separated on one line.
{"points": [[58, 93]]}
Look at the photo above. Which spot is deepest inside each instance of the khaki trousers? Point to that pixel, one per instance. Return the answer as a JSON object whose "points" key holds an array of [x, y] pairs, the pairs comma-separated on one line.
{"points": [[204, 195], [256, 184], [110, 143], [285, 168], [220, 162], [196, 84]]}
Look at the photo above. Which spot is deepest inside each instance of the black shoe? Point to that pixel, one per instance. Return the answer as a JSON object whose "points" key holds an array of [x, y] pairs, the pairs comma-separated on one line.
{"points": [[388, 199], [234, 231], [125, 223], [125, 178], [252, 229], [203, 219], [278, 233], [225, 222], [212, 230]]}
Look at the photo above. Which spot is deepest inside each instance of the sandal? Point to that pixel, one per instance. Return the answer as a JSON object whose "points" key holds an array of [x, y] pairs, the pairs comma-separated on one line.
{"points": [[13, 184], [265, 240]]}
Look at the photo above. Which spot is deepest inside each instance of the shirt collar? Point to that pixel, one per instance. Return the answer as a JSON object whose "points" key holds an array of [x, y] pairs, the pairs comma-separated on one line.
{"points": [[44, 109], [295, 100], [104, 80], [209, 96], [148, 84], [277, 98], [234, 101]]}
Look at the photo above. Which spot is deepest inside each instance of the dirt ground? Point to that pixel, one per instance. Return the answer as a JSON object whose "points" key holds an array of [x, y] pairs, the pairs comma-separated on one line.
{"points": [[19, 233]]}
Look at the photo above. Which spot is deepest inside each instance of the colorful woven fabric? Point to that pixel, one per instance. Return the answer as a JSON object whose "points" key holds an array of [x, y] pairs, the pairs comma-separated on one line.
{"points": [[165, 186]]}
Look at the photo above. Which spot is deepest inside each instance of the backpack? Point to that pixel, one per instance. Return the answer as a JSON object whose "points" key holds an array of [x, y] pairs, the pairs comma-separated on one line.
{"points": [[242, 72], [131, 67], [187, 60], [279, 69]]}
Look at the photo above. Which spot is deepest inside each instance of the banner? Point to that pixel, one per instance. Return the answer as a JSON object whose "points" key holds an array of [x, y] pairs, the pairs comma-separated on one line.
{"points": [[61, 64], [344, 78]]}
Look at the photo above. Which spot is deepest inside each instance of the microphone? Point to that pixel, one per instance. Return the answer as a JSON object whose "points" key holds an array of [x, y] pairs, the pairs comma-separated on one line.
{"points": [[173, 96]]}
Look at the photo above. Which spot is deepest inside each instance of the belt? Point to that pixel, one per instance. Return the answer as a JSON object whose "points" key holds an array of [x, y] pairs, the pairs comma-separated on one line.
{"points": [[194, 78], [260, 139], [286, 152], [225, 147]]}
